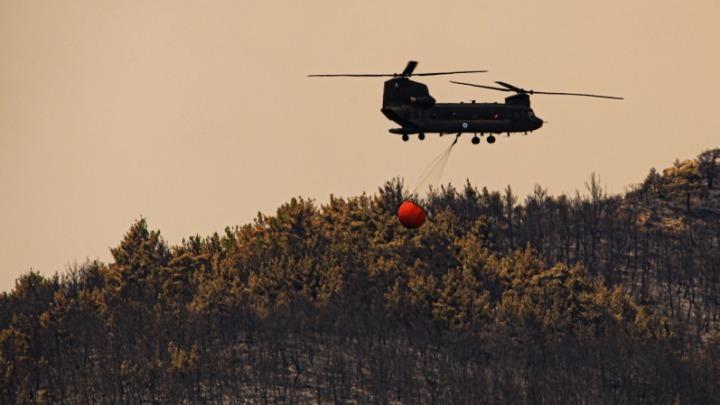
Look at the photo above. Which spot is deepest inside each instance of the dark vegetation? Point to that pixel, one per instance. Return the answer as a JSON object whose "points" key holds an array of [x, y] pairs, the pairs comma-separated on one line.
{"points": [[590, 298]]}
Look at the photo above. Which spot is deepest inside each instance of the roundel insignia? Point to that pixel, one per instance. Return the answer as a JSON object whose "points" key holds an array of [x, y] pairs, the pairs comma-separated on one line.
{"points": [[465, 125]]}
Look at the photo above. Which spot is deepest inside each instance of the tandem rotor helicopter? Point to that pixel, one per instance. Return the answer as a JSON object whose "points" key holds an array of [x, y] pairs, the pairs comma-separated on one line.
{"points": [[409, 104]]}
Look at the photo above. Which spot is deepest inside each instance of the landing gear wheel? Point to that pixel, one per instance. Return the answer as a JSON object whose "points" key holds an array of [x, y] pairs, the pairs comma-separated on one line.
{"points": [[421, 136], [491, 139], [475, 140], [405, 137]]}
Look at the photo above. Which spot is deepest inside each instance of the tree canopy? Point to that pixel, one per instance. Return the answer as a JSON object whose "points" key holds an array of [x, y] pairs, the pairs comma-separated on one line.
{"points": [[590, 298]]}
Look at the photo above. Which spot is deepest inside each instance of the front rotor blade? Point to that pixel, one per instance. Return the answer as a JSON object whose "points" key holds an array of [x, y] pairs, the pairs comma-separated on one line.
{"points": [[480, 85], [449, 73], [511, 87], [576, 94]]}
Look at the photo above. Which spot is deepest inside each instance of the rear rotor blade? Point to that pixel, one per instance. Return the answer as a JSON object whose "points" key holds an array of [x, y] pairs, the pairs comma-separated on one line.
{"points": [[356, 75], [407, 72], [480, 85], [449, 73], [409, 68], [396, 75]]}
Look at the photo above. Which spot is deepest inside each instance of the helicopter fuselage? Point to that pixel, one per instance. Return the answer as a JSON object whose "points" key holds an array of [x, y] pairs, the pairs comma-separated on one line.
{"points": [[462, 118], [409, 104]]}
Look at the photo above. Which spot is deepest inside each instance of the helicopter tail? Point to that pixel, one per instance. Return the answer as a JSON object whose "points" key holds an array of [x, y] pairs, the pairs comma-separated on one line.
{"points": [[402, 91]]}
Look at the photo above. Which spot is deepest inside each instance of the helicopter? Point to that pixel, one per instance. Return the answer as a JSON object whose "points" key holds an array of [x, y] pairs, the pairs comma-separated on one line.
{"points": [[409, 104]]}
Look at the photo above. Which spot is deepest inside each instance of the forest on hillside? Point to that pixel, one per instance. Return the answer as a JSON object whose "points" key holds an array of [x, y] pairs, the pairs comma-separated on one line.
{"points": [[586, 298]]}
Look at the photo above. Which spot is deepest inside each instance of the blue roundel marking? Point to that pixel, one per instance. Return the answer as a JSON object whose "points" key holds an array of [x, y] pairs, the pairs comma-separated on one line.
{"points": [[465, 125]]}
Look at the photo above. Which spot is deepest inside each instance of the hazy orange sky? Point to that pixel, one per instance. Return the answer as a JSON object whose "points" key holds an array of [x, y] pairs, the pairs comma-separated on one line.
{"points": [[197, 115]]}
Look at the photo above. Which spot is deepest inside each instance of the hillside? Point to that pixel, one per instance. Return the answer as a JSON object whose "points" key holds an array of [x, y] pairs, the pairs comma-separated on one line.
{"points": [[589, 298]]}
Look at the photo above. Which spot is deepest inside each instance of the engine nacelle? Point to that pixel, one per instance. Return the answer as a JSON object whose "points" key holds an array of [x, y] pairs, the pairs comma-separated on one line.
{"points": [[422, 101]]}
